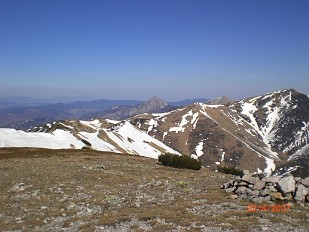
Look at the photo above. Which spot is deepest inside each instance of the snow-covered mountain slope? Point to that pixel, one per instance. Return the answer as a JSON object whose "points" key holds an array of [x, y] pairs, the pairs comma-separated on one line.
{"points": [[55, 140], [256, 133], [281, 119], [103, 135], [253, 133], [213, 133]]}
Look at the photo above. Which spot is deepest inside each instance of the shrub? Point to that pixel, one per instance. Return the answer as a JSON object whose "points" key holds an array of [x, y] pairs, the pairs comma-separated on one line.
{"points": [[177, 161], [230, 170]]}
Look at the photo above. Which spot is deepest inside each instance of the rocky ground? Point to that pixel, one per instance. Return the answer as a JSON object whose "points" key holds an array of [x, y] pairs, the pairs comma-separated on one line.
{"points": [[81, 190]]}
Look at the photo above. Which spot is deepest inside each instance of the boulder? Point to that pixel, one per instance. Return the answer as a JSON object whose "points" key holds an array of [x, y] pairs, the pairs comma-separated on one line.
{"points": [[279, 196], [300, 193], [272, 188], [305, 182], [238, 179], [240, 190], [287, 184], [229, 190], [261, 175], [272, 179], [252, 193], [242, 183], [258, 200], [246, 172], [249, 179], [259, 185], [265, 192]]}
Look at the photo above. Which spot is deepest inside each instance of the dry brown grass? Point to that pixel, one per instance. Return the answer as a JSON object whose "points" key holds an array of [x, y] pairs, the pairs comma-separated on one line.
{"points": [[69, 189]]}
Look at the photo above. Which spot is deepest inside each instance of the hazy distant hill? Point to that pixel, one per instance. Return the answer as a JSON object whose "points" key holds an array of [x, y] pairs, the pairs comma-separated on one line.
{"points": [[25, 117], [153, 105], [24, 113]]}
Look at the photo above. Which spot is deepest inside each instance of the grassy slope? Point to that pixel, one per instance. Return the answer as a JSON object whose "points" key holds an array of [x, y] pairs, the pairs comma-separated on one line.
{"points": [[68, 189]]}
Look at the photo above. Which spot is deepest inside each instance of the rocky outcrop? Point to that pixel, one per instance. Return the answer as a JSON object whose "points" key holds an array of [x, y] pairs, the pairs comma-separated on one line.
{"points": [[259, 188]]}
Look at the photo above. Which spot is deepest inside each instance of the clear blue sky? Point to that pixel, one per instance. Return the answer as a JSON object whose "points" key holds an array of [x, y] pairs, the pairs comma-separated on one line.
{"points": [[130, 49]]}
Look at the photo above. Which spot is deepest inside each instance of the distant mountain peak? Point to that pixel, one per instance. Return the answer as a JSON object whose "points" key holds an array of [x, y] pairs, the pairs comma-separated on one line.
{"points": [[156, 102], [219, 101]]}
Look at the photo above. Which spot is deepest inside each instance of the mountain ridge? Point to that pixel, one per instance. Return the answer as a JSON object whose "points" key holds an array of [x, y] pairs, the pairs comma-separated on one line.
{"points": [[258, 133]]}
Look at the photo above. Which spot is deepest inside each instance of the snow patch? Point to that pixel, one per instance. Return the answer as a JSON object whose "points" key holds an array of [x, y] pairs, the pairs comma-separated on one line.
{"points": [[199, 149]]}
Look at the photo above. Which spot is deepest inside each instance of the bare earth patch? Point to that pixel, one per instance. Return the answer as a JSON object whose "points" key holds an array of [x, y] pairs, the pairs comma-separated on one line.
{"points": [[84, 190]]}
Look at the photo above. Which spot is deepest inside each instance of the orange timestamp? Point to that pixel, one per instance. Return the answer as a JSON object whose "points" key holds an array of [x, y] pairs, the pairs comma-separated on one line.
{"points": [[275, 208]]}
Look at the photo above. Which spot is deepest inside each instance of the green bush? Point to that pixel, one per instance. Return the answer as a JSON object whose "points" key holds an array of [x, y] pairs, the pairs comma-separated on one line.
{"points": [[177, 161], [230, 170]]}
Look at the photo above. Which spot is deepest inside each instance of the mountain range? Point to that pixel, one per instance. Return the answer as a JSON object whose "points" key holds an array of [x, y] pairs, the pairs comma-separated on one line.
{"points": [[264, 133], [24, 113]]}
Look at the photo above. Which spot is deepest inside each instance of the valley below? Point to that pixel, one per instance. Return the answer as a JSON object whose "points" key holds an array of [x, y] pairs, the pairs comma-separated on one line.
{"points": [[88, 190]]}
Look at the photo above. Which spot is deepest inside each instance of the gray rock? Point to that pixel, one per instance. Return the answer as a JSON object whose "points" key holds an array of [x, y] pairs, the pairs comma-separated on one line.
{"points": [[287, 184], [300, 193], [297, 179], [267, 199], [246, 172], [265, 192], [272, 188], [19, 187], [250, 179], [240, 190], [234, 197], [272, 179], [259, 185], [258, 200], [229, 190], [252, 193], [261, 175], [237, 179], [305, 182], [242, 183], [277, 195]]}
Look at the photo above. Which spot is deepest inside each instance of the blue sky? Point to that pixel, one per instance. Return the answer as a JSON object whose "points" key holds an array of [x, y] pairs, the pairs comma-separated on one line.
{"points": [[175, 49]]}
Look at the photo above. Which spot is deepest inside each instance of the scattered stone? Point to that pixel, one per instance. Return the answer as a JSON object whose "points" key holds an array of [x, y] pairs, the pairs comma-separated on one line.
{"points": [[19, 187]]}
